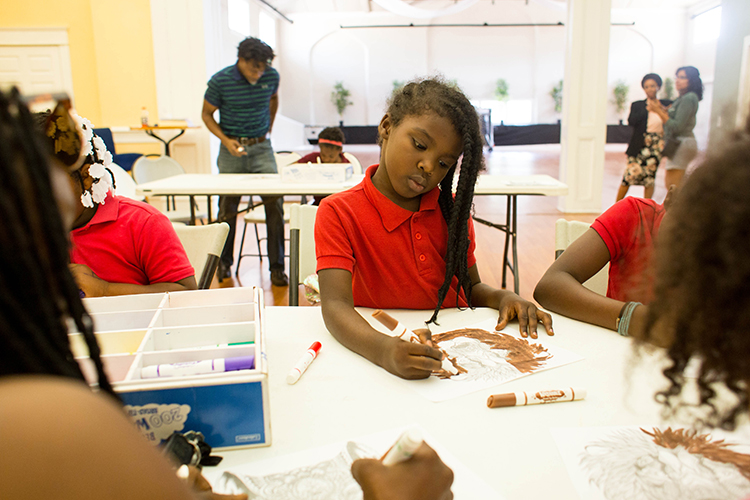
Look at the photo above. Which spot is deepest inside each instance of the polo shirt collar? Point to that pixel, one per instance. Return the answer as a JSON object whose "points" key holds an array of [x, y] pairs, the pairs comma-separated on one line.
{"points": [[106, 212], [236, 73], [391, 214]]}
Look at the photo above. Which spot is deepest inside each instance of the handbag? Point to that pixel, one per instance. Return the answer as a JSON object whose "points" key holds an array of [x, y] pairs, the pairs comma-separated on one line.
{"points": [[670, 147]]}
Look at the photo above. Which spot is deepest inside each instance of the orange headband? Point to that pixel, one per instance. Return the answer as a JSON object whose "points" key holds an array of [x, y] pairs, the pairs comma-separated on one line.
{"points": [[328, 141]]}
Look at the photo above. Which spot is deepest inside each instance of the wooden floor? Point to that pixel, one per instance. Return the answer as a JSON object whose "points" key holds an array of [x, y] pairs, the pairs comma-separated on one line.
{"points": [[536, 219]]}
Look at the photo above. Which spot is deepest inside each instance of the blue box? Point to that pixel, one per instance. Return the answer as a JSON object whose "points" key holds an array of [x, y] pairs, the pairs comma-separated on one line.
{"points": [[231, 409]]}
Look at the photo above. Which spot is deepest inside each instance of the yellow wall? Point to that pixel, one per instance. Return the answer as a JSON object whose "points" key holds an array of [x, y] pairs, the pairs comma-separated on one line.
{"points": [[111, 53]]}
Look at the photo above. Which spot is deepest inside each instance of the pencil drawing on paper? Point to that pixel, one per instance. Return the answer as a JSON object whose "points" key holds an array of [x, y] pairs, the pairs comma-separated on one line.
{"points": [[322, 481], [665, 464], [479, 355]]}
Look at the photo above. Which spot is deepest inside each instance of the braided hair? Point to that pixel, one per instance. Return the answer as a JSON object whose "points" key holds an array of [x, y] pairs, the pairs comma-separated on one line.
{"points": [[38, 295], [433, 95]]}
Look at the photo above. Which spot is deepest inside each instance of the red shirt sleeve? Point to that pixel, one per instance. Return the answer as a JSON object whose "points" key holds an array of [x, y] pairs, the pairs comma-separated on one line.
{"points": [[161, 253], [616, 225], [333, 247]]}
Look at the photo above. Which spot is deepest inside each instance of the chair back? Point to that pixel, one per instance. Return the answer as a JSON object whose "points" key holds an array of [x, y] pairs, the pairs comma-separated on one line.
{"points": [[203, 246], [106, 135], [124, 184], [284, 158], [566, 232], [302, 260], [147, 169], [356, 165]]}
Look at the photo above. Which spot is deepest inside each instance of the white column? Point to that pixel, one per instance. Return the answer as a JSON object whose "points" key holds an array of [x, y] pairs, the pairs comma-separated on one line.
{"points": [[584, 128]]}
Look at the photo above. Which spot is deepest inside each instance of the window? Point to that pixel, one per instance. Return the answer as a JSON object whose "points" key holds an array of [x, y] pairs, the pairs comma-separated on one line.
{"points": [[267, 29], [238, 15], [707, 25]]}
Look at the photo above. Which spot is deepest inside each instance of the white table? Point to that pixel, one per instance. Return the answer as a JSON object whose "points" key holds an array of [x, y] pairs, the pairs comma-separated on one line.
{"points": [[209, 185], [343, 396]]}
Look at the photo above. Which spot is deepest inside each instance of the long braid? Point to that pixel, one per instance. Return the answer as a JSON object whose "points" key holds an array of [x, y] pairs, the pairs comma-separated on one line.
{"points": [[446, 100], [37, 291]]}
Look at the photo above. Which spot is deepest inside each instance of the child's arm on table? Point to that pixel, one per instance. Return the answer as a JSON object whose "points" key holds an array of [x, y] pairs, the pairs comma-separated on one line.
{"points": [[509, 305], [561, 288], [405, 359], [93, 286]]}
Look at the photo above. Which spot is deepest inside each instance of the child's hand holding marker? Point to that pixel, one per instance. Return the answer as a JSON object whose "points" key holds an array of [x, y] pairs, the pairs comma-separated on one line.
{"points": [[411, 359], [410, 470]]}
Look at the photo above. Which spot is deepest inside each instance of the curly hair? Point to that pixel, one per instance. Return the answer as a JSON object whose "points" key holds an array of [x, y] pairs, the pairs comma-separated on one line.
{"points": [[433, 95], [695, 84], [652, 76], [255, 49], [702, 288], [37, 290]]}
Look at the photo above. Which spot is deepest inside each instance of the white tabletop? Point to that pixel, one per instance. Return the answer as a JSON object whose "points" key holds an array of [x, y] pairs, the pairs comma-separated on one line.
{"points": [[269, 184], [343, 396]]}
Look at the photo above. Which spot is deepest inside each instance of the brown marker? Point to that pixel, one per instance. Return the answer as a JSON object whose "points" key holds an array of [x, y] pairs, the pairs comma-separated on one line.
{"points": [[535, 398], [393, 325]]}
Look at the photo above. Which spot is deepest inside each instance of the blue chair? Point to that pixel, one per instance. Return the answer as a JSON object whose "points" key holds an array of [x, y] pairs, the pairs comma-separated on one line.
{"points": [[124, 160]]}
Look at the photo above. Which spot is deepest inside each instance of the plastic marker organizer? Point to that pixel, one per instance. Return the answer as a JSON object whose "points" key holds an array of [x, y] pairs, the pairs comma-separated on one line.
{"points": [[404, 447], [307, 358], [536, 398], [187, 368], [405, 334]]}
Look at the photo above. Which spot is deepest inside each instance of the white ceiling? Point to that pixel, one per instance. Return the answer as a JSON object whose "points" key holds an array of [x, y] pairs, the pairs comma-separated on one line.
{"points": [[289, 7]]}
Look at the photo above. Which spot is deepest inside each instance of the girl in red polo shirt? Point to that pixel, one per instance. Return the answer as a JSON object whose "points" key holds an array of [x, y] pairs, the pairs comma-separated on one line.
{"points": [[402, 240]]}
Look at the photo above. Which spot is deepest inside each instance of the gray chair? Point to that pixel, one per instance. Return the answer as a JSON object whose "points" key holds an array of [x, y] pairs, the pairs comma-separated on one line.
{"points": [[153, 168], [302, 260], [203, 246]]}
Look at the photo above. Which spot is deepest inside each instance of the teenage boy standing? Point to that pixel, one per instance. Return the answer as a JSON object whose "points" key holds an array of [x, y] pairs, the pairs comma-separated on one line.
{"points": [[246, 95]]}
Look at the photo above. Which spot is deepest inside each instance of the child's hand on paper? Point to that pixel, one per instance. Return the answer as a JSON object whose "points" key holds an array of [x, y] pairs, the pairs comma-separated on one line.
{"points": [[410, 360], [512, 306], [423, 477]]}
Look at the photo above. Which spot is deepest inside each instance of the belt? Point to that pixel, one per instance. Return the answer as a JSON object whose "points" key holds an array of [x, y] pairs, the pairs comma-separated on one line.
{"points": [[248, 141]]}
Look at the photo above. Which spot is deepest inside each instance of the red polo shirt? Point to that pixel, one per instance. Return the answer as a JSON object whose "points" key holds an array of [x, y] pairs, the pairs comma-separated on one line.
{"points": [[629, 230], [128, 241], [396, 257]]}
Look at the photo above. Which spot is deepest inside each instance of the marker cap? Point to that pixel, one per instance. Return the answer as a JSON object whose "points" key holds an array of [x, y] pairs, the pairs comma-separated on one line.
{"points": [[239, 363]]}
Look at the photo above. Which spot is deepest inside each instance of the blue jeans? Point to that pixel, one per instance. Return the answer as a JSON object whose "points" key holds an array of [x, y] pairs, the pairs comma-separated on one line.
{"points": [[259, 160]]}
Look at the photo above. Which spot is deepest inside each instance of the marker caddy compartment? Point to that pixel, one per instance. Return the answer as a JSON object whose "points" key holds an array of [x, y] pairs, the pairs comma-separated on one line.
{"points": [[230, 408]]}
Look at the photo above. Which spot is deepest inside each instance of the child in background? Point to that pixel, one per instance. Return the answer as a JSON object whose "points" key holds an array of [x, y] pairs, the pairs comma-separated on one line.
{"points": [[93, 450], [331, 142], [119, 246], [400, 239], [701, 305]]}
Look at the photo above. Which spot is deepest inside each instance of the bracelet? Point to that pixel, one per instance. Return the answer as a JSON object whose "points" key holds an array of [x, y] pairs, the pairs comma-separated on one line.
{"points": [[623, 321]]}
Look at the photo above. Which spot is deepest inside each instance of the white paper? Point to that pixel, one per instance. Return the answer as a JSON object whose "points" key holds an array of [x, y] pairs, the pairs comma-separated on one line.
{"points": [[619, 463], [487, 367], [324, 473]]}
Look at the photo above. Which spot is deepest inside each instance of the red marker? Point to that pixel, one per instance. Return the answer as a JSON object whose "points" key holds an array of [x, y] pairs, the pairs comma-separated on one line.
{"points": [[303, 363]]}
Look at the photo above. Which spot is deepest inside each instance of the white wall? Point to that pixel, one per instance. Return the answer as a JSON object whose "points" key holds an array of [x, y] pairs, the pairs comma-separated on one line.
{"points": [[316, 52]]}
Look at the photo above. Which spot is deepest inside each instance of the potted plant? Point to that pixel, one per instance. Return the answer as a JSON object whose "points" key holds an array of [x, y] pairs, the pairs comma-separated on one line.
{"points": [[668, 89], [398, 85], [340, 99], [620, 93], [501, 90], [557, 95]]}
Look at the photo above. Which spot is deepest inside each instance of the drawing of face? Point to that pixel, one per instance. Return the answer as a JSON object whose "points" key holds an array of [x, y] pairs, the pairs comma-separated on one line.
{"points": [[480, 361], [629, 464]]}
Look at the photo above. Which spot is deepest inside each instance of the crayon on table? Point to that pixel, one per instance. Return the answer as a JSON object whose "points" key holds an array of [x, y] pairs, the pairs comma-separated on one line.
{"points": [[535, 398], [404, 447], [307, 358]]}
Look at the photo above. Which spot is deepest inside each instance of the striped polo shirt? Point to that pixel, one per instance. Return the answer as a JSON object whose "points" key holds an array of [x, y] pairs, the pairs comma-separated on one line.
{"points": [[244, 108]]}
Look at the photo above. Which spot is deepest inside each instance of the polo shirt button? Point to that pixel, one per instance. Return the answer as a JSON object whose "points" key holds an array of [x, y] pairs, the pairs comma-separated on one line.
{"points": [[422, 258], [418, 236]]}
